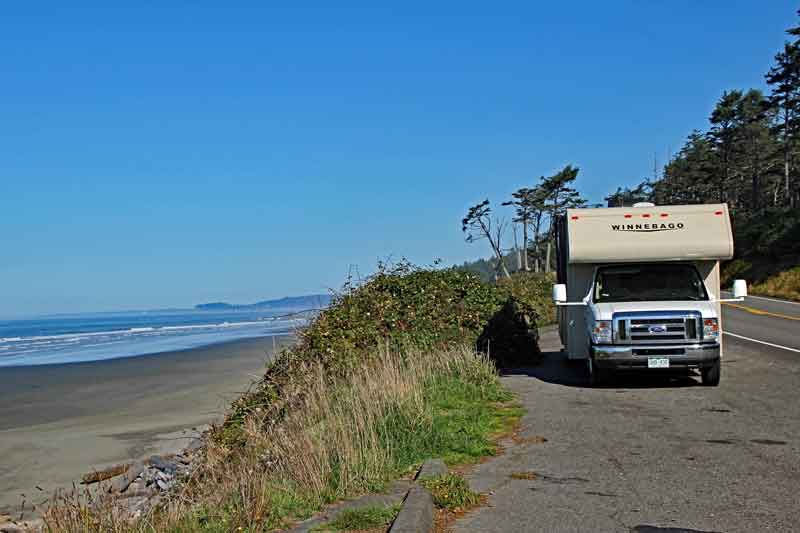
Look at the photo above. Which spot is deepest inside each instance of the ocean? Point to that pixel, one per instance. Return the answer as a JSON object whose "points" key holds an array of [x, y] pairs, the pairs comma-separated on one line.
{"points": [[98, 336]]}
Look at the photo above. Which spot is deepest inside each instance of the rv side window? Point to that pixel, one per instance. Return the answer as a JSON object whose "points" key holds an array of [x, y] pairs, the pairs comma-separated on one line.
{"points": [[649, 282]]}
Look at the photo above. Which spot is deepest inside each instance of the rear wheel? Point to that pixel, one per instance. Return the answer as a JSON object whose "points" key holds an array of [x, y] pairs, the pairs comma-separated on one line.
{"points": [[710, 375]]}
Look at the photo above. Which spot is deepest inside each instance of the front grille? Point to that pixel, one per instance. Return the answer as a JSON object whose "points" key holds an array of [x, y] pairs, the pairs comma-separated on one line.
{"points": [[658, 337], [659, 351], [657, 327]]}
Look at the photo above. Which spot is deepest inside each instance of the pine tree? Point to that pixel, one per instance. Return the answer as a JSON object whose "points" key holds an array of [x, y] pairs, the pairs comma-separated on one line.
{"points": [[784, 78]]}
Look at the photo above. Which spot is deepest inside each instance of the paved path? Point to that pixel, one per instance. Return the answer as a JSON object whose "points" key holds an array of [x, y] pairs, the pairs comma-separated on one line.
{"points": [[647, 453]]}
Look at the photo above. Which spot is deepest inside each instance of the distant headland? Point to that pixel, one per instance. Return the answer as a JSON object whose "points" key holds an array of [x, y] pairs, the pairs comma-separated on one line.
{"points": [[311, 301]]}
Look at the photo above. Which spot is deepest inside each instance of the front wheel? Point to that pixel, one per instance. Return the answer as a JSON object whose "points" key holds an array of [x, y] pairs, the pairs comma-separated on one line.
{"points": [[710, 375], [597, 375]]}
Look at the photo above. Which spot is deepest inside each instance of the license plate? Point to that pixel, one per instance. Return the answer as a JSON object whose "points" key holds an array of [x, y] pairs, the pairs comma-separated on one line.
{"points": [[658, 362]]}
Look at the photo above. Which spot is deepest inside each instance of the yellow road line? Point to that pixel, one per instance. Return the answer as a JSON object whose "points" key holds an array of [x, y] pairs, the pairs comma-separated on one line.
{"points": [[761, 311]]}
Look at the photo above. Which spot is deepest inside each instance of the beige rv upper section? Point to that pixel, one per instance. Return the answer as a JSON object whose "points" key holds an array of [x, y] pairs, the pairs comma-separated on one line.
{"points": [[660, 233]]}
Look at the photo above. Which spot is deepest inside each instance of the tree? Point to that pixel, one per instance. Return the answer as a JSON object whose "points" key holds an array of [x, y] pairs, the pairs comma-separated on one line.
{"points": [[627, 197], [523, 217], [688, 178], [528, 204], [479, 224], [538, 203], [756, 147], [784, 78], [723, 135], [559, 196]]}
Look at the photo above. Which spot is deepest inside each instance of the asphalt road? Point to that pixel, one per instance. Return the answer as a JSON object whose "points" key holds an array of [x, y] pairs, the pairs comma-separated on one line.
{"points": [[649, 453]]}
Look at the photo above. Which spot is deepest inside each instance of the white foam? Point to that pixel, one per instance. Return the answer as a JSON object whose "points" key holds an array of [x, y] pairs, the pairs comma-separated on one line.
{"points": [[96, 345]]}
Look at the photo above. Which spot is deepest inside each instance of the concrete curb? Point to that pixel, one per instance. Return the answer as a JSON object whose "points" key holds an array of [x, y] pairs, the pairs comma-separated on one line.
{"points": [[418, 514]]}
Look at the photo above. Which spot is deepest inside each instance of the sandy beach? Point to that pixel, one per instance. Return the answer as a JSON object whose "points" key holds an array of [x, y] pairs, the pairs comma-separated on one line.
{"points": [[58, 422]]}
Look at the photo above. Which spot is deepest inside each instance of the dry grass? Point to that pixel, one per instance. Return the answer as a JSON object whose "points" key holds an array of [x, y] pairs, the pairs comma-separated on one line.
{"points": [[348, 435], [785, 285]]}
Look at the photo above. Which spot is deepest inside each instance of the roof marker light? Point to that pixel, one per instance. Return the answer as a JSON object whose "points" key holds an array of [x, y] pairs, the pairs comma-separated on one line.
{"points": [[574, 217], [664, 215], [646, 215], [717, 212], [628, 216]]}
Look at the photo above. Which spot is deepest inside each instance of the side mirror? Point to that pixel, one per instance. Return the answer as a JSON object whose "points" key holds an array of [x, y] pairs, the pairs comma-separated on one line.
{"points": [[739, 288], [559, 293]]}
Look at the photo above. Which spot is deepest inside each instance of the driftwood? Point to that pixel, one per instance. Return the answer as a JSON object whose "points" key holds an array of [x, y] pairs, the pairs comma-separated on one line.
{"points": [[102, 475]]}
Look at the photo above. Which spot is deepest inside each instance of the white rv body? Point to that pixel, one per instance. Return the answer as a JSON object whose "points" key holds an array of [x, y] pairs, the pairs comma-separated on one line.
{"points": [[657, 238]]}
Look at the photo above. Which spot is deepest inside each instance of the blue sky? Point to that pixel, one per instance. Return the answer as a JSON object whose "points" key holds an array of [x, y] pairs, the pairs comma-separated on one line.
{"points": [[171, 153]]}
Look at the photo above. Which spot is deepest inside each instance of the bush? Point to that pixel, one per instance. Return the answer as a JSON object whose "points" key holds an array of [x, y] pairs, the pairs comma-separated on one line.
{"points": [[533, 292], [399, 306]]}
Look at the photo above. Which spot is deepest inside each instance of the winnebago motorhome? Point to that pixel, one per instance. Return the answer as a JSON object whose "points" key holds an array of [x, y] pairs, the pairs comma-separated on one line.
{"points": [[638, 287]]}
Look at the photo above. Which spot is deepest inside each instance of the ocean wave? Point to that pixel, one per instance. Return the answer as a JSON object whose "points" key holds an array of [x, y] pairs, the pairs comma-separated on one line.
{"points": [[58, 348], [141, 330]]}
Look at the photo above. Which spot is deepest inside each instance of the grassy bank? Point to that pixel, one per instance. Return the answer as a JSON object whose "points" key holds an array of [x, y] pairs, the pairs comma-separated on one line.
{"points": [[385, 378], [785, 285], [779, 279]]}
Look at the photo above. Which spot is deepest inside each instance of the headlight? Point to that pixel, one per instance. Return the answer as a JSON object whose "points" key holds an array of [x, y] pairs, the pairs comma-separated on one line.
{"points": [[710, 329], [601, 332]]}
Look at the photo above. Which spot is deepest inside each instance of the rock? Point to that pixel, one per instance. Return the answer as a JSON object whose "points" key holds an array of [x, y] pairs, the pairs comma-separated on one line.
{"points": [[122, 483], [195, 444], [162, 464]]}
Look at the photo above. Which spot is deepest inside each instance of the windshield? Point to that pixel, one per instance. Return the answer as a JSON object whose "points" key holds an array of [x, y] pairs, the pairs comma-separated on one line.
{"points": [[653, 283]]}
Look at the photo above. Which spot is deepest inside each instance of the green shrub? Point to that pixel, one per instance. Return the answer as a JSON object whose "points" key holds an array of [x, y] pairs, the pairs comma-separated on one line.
{"points": [[533, 291]]}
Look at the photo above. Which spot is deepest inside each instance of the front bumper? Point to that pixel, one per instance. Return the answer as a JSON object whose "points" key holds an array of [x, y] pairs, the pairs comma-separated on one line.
{"points": [[698, 355]]}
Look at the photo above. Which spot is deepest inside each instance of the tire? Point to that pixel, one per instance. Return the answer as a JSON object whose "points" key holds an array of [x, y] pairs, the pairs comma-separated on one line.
{"points": [[597, 375], [710, 375]]}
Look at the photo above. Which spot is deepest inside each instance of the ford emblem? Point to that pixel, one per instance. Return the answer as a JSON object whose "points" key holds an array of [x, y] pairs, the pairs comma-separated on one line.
{"points": [[657, 329]]}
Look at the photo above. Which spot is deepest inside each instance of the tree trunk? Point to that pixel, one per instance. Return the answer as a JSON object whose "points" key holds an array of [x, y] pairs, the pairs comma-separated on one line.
{"points": [[496, 247], [536, 249], [525, 246], [547, 257], [786, 171], [503, 267]]}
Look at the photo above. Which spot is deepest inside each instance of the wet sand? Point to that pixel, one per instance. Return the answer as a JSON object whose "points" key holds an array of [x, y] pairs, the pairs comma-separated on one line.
{"points": [[58, 422]]}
